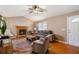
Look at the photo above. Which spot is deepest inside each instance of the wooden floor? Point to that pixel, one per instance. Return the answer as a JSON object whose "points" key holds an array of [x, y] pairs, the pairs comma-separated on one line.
{"points": [[60, 48]]}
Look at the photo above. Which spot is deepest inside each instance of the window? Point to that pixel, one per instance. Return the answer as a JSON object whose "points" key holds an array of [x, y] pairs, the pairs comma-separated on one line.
{"points": [[42, 26], [75, 20]]}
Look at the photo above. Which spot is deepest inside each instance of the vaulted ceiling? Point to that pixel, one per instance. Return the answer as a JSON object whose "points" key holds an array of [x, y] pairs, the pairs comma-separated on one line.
{"points": [[21, 10]]}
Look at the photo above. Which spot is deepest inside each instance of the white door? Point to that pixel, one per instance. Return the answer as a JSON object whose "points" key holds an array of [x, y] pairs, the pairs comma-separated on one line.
{"points": [[73, 30]]}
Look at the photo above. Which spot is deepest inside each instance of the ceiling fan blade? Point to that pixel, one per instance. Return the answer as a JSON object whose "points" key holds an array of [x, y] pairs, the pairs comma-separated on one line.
{"points": [[42, 10], [30, 9]]}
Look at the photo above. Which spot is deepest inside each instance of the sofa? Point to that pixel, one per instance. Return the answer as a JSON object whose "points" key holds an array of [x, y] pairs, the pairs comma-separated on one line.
{"points": [[44, 33]]}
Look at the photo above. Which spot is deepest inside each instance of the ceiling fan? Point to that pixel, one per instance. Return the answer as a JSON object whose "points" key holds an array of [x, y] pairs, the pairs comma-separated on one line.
{"points": [[36, 9]]}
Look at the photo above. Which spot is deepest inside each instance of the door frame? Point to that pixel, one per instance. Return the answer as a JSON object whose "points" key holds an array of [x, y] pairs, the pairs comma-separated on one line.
{"points": [[68, 22]]}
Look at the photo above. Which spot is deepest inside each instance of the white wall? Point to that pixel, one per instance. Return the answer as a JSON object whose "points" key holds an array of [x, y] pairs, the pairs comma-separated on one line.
{"points": [[12, 22]]}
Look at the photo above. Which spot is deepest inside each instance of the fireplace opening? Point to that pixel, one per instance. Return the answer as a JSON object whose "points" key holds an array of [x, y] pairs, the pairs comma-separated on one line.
{"points": [[22, 32]]}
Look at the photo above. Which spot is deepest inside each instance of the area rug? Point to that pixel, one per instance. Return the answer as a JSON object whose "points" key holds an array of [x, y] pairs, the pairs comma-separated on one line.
{"points": [[22, 46]]}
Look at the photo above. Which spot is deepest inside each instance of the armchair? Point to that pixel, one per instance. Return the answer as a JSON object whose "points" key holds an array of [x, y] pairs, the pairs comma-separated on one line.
{"points": [[41, 46]]}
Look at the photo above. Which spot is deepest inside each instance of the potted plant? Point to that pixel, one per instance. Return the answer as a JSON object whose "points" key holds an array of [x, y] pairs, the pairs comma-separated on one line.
{"points": [[2, 25]]}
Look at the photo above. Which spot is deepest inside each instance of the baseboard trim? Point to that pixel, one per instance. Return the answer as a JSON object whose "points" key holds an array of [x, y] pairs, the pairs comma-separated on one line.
{"points": [[62, 42], [66, 43]]}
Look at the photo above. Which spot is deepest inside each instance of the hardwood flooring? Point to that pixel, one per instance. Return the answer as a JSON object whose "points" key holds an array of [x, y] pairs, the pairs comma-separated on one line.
{"points": [[61, 48]]}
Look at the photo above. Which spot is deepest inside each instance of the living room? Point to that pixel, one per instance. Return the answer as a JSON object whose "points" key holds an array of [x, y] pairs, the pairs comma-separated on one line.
{"points": [[38, 29]]}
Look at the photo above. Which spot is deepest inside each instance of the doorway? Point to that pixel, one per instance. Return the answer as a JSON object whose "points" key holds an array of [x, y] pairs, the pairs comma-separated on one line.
{"points": [[73, 30]]}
